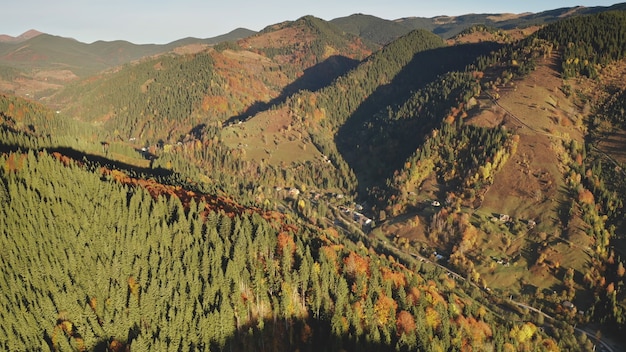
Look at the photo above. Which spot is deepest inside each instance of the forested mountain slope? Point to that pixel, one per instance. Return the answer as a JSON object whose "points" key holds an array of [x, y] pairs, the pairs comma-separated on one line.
{"points": [[372, 28], [110, 265], [39, 66], [54, 53], [167, 96]]}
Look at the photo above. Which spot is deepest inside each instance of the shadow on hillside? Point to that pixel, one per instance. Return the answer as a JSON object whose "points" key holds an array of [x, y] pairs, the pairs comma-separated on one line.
{"points": [[556, 65], [312, 79], [564, 206], [312, 335], [321, 75], [93, 159], [373, 144]]}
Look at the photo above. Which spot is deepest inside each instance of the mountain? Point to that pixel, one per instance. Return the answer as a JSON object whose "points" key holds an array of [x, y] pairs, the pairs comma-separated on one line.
{"points": [[304, 188], [35, 50], [43, 70], [257, 72], [370, 27], [382, 31], [233, 35], [54, 52], [39, 64], [20, 38]]}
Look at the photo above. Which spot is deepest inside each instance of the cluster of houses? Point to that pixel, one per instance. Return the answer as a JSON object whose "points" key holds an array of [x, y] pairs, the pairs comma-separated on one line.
{"points": [[365, 222], [354, 212], [501, 261]]}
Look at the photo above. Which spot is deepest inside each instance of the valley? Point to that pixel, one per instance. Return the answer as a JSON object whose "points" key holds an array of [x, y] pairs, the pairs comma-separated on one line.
{"points": [[317, 185]]}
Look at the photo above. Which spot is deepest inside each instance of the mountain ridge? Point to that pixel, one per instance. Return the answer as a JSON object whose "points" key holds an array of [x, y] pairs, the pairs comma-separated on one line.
{"points": [[368, 27], [31, 33], [412, 22]]}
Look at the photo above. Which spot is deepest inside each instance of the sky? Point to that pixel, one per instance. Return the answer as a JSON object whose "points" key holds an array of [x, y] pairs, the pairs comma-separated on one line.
{"points": [[164, 21]]}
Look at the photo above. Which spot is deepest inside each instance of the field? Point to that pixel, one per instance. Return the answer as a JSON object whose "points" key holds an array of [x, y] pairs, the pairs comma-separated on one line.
{"points": [[272, 137], [539, 113]]}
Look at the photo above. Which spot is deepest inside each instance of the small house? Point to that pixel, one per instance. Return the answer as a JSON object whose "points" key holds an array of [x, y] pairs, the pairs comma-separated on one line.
{"points": [[294, 192]]}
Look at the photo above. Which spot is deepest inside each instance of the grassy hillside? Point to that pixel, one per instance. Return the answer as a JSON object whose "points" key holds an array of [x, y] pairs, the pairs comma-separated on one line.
{"points": [[533, 232]]}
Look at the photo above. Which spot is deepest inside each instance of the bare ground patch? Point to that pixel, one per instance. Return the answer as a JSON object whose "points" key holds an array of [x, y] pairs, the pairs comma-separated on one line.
{"points": [[34, 89], [56, 75], [277, 38], [39, 85], [190, 49]]}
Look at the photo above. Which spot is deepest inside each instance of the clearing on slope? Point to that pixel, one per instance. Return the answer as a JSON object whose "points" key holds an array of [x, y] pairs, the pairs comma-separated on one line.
{"points": [[537, 110], [530, 186], [273, 136]]}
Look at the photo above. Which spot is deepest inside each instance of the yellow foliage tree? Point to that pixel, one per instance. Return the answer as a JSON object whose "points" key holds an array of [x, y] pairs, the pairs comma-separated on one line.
{"points": [[432, 318], [550, 345], [524, 333], [385, 309]]}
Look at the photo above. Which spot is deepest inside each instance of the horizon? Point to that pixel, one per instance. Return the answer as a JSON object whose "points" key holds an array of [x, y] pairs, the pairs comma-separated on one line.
{"points": [[143, 22]]}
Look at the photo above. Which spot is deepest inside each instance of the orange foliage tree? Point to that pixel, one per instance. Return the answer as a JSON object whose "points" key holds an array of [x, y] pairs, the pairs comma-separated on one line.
{"points": [[405, 323], [397, 278], [286, 245], [585, 196], [355, 265]]}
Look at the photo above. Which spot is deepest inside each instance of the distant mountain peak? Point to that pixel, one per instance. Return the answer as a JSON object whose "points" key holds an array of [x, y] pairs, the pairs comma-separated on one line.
{"points": [[4, 38], [29, 34]]}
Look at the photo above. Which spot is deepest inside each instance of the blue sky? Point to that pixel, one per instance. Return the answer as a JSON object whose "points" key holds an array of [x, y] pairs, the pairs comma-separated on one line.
{"points": [[162, 21]]}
